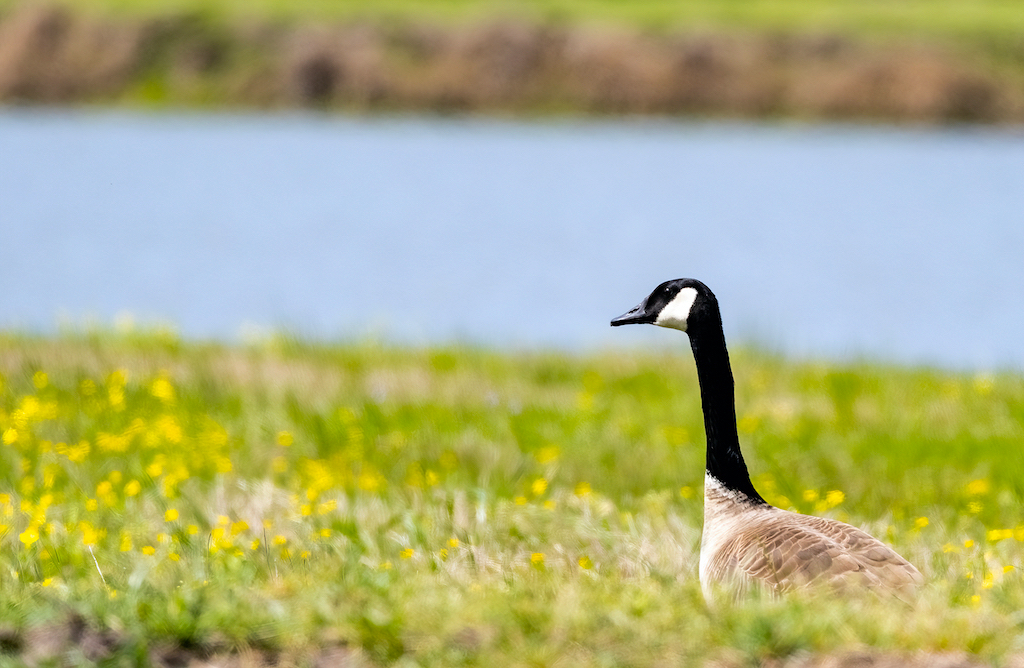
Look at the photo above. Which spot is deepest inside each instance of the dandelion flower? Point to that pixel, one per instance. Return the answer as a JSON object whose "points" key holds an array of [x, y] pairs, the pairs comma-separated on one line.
{"points": [[29, 535], [90, 536], [978, 487]]}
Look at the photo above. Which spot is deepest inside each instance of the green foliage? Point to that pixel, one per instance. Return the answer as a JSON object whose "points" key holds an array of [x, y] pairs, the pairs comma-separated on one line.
{"points": [[454, 506], [975, 19]]}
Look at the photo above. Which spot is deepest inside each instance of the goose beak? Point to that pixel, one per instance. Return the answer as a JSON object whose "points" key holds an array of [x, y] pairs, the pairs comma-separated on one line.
{"points": [[635, 316]]}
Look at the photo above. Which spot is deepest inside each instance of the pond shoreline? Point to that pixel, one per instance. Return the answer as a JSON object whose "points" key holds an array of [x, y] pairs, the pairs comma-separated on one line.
{"points": [[51, 55]]}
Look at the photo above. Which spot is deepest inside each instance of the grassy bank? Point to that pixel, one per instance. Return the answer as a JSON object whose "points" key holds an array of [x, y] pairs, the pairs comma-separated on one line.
{"points": [[911, 61], [298, 503], [957, 19]]}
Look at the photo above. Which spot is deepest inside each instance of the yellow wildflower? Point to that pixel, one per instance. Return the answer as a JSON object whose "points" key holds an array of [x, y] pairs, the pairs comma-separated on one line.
{"points": [[29, 535], [171, 515], [90, 536], [162, 389], [834, 497], [978, 487]]}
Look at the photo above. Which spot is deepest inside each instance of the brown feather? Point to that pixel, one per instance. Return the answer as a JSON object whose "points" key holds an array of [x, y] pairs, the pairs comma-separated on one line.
{"points": [[783, 550]]}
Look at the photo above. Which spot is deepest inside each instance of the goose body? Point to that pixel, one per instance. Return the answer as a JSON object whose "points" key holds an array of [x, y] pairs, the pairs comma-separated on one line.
{"points": [[746, 540]]}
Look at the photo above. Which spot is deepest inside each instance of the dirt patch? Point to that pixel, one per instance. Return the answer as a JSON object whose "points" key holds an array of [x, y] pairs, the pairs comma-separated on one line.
{"points": [[52, 55], [73, 642], [868, 659]]}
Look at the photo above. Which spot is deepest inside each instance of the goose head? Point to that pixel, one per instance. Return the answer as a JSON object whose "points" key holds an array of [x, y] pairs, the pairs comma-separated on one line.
{"points": [[682, 304]]}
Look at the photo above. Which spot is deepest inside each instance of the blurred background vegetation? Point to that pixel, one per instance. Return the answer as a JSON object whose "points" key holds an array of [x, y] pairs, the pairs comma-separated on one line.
{"points": [[912, 60]]}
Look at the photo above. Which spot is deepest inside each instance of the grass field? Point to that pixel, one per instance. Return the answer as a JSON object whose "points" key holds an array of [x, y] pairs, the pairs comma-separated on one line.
{"points": [[452, 506], [985, 19]]}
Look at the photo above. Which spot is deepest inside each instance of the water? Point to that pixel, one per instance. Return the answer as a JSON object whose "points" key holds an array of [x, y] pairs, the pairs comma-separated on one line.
{"points": [[826, 241]]}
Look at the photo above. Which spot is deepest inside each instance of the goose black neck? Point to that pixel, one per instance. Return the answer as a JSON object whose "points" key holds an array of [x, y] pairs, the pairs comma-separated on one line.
{"points": [[717, 393]]}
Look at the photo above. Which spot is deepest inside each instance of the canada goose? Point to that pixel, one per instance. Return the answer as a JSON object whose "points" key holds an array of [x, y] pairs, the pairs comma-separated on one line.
{"points": [[745, 539]]}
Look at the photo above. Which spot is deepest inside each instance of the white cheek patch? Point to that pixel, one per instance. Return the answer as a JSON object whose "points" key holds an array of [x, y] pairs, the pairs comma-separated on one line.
{"points": [[676, 312]]}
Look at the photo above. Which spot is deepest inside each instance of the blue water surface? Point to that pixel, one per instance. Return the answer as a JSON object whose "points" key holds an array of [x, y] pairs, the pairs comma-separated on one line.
{"points": [[824, 241]]}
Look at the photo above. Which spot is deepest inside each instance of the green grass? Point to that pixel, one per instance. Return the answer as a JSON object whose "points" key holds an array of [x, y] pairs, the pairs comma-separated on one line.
{"points": [[955, 18], [454, 506]]}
